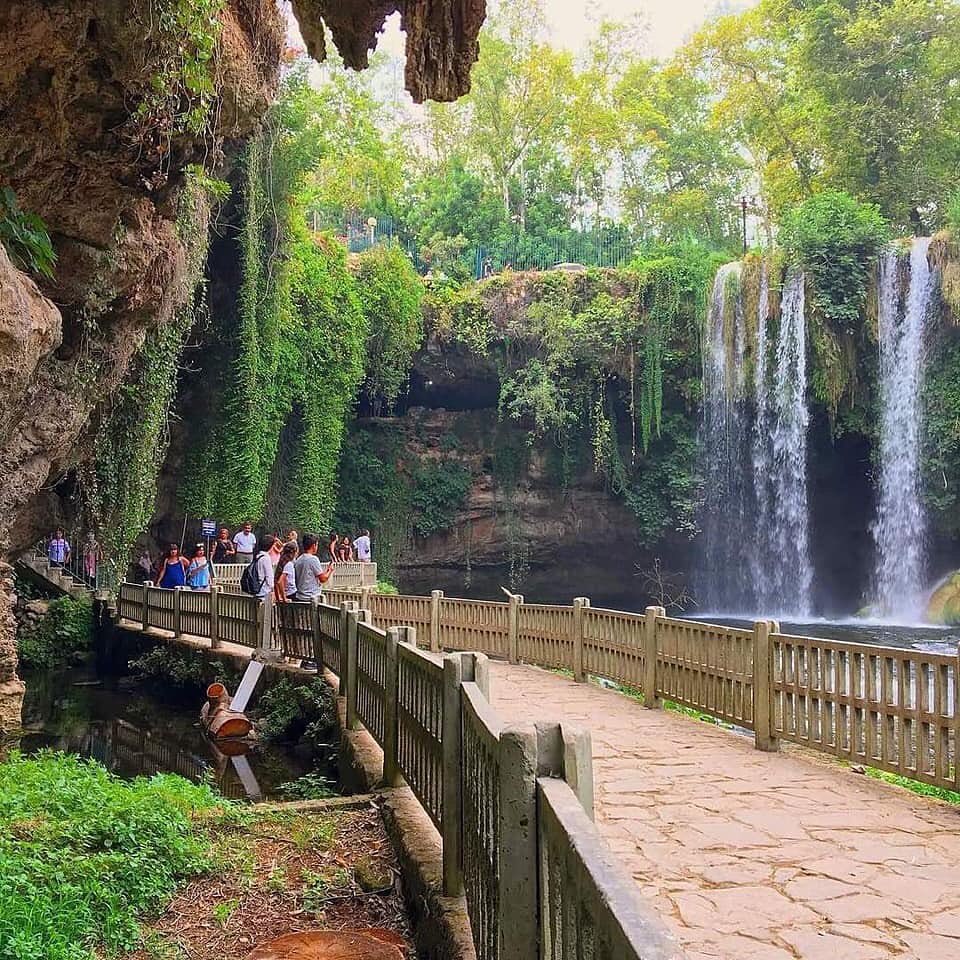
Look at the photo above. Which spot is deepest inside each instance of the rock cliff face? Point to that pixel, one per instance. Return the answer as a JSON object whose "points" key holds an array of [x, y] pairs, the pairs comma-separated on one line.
{"points": [[441, 38], [106, 183]]}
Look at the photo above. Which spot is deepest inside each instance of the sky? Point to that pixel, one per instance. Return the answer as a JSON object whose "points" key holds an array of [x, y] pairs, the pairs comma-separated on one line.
{"points": [[669, 22]]}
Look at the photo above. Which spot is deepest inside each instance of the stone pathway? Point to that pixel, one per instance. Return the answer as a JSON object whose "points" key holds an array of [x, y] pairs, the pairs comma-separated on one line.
{"points": [[756, 856]]}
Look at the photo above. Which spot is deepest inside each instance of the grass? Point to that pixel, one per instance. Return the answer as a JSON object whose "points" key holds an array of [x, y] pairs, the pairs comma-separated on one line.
{"points": [[914, 786], [84, 855]]}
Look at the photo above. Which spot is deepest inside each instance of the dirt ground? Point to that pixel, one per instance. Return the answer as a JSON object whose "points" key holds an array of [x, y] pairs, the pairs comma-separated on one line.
{"points": [[284, 871]]}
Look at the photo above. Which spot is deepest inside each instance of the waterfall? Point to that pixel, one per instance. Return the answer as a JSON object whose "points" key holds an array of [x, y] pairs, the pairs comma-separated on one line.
{"points": [[725, 442], [755, 520], [785, 537], [900, 525]]}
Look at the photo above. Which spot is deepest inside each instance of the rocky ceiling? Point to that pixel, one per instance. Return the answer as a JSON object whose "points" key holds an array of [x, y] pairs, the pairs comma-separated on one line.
{"points": [[441, 38]]}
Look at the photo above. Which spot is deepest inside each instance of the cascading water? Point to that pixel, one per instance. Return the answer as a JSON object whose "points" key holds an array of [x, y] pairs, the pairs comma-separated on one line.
{"points": [[784, 537], [755, 521], [725, 442], [899, 530]]}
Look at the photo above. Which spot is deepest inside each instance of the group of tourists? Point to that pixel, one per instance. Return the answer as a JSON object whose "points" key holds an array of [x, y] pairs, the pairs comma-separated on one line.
{"points": [[60, 553], [271, 564]]}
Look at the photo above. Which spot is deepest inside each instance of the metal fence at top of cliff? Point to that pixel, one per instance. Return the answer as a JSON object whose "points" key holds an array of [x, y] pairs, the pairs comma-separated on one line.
{"points": [[609, 246]]}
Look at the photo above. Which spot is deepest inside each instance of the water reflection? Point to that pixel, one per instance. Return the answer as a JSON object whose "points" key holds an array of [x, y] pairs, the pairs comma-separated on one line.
{"points": [[133, 733]]}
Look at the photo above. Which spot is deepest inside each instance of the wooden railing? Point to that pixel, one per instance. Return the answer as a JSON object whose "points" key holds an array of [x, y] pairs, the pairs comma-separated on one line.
{"points": [[886, 707], [504, 799]]}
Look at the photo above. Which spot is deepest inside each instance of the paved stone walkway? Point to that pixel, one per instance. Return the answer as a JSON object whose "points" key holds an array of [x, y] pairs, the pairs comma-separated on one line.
{"points": [[757, 856]]}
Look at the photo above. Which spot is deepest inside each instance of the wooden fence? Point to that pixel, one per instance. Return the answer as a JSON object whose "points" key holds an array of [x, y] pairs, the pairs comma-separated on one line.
{"points": [[346, 576], [891, 708], [507, 801]]}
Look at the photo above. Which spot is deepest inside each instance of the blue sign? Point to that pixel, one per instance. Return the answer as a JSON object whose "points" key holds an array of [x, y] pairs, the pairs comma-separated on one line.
{"points": [[208, 527]]}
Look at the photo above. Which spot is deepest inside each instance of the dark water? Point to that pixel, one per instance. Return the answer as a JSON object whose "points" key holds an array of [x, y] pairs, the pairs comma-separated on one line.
{"points": [[133, 732]]}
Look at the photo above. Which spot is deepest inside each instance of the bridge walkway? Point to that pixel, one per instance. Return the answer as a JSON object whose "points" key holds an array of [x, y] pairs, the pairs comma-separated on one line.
{"points": [[750, 855]]}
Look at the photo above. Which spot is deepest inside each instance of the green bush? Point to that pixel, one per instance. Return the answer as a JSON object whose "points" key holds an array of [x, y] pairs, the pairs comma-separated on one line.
{"points": [[184, 672], [289, 712], [953, 213], [438, 493], [61, 636], [84, 854], [834, 238], [25, 236]]}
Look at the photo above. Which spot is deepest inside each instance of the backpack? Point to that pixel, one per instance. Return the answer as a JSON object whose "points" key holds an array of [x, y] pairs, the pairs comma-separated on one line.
{"points": [[250, 582]]}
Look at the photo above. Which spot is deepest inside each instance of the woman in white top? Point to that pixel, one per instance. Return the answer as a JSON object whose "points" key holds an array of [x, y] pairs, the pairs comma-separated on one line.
{"points": [[285, 582]]}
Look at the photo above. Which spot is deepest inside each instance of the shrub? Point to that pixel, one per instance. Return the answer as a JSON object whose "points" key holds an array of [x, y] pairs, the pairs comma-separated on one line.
{"points": [[183, 671], [61, 636], [289, 712], [84, 854], [25, 236], [953, 213], [834, 237], [439, 491]]}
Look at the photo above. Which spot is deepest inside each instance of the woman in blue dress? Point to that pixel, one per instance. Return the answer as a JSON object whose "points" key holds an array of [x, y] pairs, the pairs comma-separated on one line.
{"points": [[173, 569], [198, 570]]}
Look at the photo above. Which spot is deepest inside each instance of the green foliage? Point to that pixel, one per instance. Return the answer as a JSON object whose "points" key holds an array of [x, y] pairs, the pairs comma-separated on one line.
{"points": [[59, 637], [290, 712], [218, 190], [941, 449], [386, 588], [953, 213], [120, 484], [391, 295], [439, 490], [84, 855], [374, 492], [25, 237], [835, 238], [311, 786], [915, 786], [184, 671], [183, 36]]}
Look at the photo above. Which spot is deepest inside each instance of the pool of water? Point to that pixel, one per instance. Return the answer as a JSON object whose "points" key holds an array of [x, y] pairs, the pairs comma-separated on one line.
{"points": [[879, 632], [134, 732]]}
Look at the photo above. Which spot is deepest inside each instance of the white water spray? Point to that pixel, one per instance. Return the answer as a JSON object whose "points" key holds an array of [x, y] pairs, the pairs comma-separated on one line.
{"points": [[900, 527]]}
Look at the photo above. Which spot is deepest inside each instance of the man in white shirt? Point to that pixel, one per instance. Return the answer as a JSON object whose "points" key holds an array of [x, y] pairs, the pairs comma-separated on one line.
{"points": [[245, 541], [264, 576], [308, 570], [362, 546]]}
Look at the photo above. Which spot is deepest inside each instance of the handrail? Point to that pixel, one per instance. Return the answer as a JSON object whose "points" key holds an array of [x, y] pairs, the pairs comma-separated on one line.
{"points": [[474, 776]]}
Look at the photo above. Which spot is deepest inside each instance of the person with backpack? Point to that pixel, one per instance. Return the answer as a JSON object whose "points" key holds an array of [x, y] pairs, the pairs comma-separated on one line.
{"points": [[257, 577], [308, 570]]}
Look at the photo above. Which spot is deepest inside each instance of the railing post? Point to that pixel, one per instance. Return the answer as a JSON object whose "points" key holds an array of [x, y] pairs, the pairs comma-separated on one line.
{"points": [[764, 736], [650, 698], [517, 836], [177, 591], [578, 604], [391, 683], [365, 593], [265, 623], [578, 765], [354, 618], [435, 597], [214, 617], [457, 668], [513, 620], [345, 607], [317, 636], [145, 613]]}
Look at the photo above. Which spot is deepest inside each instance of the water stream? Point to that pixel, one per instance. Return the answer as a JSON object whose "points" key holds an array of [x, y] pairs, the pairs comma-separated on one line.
{"points": [[900, 527], [754, 448], [134, 732]]}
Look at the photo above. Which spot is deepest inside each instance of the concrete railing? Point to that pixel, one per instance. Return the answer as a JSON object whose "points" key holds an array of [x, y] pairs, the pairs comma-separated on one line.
{"points": [[509, 802]]}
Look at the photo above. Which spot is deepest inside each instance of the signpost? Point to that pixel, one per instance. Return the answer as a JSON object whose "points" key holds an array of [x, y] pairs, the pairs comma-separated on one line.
{"points": [[208, 528]]}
